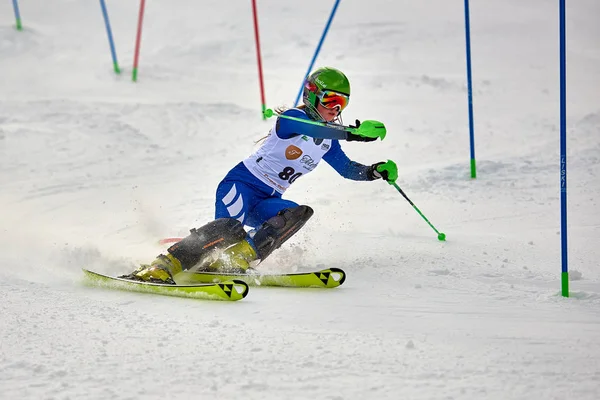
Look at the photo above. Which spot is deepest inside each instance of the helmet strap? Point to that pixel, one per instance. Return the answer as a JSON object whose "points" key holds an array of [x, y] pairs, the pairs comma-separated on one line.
{"points": [[314, 113]]}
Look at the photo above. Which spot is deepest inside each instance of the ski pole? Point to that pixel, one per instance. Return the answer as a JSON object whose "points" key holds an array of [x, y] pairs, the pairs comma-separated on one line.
{"points": [[441, 236], [381, 133]]}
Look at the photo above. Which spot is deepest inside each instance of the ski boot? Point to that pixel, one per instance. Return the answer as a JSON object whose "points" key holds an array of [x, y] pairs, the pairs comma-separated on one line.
{"points": [[196, 249], [190, 251], [259, 244], [160, 270], [235, 259], [278, 229]]}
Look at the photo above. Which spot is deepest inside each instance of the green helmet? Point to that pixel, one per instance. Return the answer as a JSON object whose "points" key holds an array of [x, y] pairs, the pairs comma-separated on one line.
{"points": [[321, 80]]}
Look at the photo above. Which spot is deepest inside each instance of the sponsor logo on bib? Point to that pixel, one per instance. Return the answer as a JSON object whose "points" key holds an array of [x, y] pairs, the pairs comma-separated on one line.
{"points": [[292, 152], [308, 162]]}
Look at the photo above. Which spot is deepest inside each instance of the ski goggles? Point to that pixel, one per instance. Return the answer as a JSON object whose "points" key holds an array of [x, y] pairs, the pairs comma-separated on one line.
{"points": [[330, 99]]}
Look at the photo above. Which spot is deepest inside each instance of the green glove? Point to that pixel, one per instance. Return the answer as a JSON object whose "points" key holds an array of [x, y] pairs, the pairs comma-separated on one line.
{"points": [[371, 129], [386, 170]]}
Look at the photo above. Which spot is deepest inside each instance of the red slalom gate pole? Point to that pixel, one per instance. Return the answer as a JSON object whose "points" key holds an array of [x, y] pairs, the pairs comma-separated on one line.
{"points": [[170, 240], [138, 41], [258, 58]]}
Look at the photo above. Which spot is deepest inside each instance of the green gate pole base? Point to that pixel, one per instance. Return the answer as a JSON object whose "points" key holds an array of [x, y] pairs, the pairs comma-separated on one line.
{"points": [[564, 277]]}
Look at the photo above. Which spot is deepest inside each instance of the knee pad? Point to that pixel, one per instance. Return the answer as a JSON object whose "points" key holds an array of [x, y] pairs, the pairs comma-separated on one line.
{"points": [[218, 234], [276, 230]]}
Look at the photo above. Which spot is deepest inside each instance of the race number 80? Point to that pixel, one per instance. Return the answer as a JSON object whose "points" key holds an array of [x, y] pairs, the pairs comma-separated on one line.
{"points": [[289, 174]]}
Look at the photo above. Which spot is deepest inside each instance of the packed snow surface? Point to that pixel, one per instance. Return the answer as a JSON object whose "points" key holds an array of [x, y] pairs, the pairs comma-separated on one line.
{"points": [[95, 169]]}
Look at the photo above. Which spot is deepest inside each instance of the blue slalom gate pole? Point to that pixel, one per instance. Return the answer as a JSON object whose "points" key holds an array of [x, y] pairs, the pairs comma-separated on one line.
{"points": [[110, 37], [470, 89], [563, 151], [17, 15], [312, 62]]}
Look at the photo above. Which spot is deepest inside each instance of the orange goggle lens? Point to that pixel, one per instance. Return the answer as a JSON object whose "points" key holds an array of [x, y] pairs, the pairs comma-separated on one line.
{"points": [[330, 99]]}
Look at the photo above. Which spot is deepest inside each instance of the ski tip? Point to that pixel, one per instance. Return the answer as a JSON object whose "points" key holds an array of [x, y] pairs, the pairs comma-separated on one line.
{"points": [[340, 273], [331, 277], [243, 285], [235, 289]]}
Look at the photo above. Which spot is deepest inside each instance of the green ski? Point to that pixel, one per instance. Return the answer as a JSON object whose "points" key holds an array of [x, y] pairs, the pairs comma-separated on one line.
{"points": [[326, 278], [227, 289]]}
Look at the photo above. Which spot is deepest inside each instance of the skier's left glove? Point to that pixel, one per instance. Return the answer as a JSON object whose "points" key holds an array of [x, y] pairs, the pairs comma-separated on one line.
{"points": [[386, 170]]}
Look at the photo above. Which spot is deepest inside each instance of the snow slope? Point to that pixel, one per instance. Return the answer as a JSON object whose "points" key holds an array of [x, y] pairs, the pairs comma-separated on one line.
{"points": [[95, 169]]}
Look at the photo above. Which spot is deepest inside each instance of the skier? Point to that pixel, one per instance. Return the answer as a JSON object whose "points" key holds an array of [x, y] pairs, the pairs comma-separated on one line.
{"points": [[251, 192]]}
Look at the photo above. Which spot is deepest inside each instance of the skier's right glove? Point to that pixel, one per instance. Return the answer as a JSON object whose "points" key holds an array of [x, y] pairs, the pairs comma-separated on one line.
{"points": [[368, 131], [386, 170]]}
